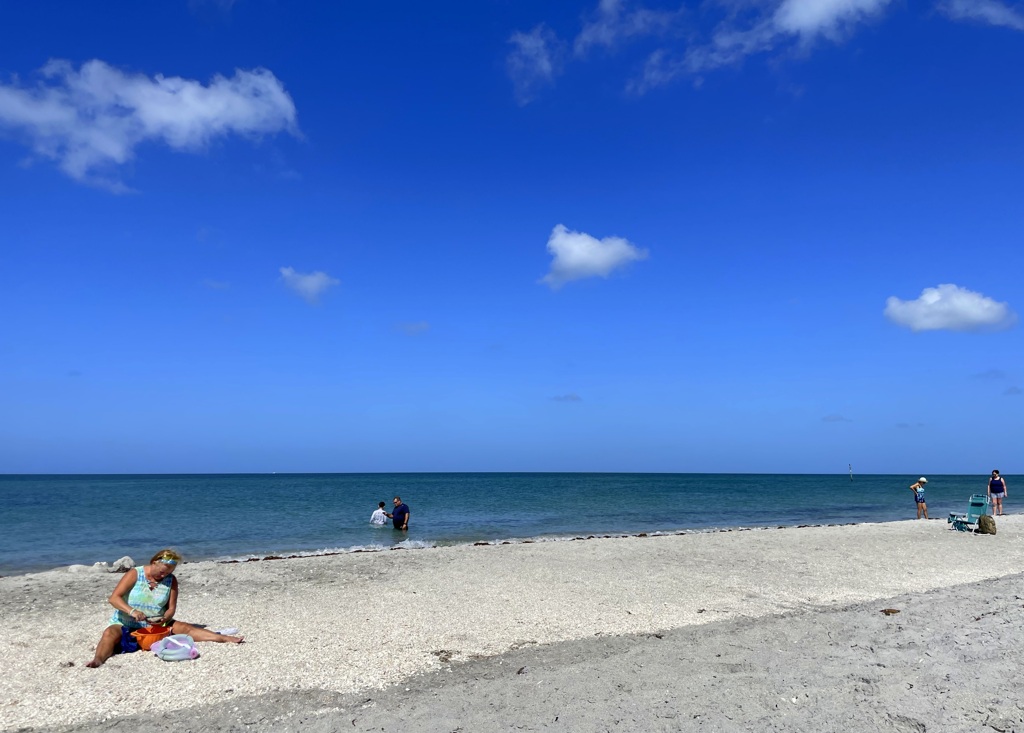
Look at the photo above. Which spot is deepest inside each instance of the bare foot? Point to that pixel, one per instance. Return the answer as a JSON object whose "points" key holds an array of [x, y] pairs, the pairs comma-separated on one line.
{"points": [[94, 663], [233, 639]]}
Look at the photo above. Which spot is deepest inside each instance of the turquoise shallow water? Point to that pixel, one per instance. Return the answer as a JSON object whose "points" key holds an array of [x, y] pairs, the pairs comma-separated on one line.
{"points": [[52, 521]]}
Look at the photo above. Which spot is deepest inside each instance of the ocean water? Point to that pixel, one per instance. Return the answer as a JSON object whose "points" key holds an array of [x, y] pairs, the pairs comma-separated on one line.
{"points": [[55, 521]]}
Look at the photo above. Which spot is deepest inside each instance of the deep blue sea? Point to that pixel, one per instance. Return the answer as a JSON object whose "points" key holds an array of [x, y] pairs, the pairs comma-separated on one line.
{"points": [[53, 521]]}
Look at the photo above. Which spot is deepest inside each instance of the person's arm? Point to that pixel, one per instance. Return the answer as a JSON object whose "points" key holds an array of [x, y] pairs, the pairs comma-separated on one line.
{"points": [[172, 601], [118, 599], [408, 516], [1006, 489]]}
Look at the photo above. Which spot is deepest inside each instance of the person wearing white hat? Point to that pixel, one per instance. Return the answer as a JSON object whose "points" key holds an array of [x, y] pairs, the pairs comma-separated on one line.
{"points": [[918, 489]]}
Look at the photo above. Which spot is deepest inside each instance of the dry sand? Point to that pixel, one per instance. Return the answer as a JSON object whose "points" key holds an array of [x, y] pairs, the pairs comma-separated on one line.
{"points": [[758, 630]]}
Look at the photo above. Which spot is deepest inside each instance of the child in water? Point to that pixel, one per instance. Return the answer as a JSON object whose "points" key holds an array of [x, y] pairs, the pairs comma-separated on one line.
{"points": [[379, 516]]}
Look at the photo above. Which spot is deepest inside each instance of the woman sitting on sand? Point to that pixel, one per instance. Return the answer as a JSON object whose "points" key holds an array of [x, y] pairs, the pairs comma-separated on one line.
{"points": [[147, 595]]}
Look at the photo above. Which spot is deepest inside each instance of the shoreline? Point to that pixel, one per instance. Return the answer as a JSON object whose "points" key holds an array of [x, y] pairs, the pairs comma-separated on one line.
{"points": [[432, 545], [350, 623]]}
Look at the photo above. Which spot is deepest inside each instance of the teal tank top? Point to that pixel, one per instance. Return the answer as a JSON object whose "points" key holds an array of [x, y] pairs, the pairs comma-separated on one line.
{"points": [[152, 602]]}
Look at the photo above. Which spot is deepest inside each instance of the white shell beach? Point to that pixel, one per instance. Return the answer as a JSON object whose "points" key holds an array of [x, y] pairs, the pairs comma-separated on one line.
{"points": [[351, 630]]}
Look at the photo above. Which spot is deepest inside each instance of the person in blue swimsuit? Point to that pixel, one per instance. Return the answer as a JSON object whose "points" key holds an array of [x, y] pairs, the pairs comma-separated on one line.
{"points": [[996, 492], [918, 489], [147, 595]]}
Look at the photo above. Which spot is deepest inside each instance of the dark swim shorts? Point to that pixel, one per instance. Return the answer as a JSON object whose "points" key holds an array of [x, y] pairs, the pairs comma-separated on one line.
{"points": [[919, 498], [128, 644]]}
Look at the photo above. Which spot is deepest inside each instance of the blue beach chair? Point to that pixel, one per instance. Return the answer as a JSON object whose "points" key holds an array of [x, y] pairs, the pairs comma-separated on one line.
{"points": [[969, 521]]}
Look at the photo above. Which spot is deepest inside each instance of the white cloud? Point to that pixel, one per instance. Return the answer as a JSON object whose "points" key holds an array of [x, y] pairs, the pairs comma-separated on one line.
{"points": [[534, 61], [992, 12], [92, 119], [950, 308], [823, 17], [310, 286], [612, 22], [578, 255]]}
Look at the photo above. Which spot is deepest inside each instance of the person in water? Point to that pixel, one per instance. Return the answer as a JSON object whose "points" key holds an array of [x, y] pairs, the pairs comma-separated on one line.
{"points": [[380, 516], [147, 595], [400, 515], [996, 492], [918, 489]]}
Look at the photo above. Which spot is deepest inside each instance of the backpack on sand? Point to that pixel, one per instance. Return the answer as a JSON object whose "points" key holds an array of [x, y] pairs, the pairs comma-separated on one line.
{"points": [[986, 524]]}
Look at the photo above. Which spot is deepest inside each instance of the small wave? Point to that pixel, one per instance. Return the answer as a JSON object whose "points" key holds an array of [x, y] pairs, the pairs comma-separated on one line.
{"points": [[414, 545]]}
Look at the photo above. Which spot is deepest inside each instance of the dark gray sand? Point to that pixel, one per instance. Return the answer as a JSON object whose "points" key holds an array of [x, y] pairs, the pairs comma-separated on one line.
{"points": [[948, 661]]}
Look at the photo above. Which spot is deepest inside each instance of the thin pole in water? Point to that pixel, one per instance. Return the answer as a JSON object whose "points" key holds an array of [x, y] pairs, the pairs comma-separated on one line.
{"points": [[851, 472]]}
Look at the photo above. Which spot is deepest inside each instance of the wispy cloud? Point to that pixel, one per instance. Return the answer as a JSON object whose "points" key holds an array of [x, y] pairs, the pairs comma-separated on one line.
{"points": [[570, 397], [774, 26], [577, 255], [223, 6], [835, 418], [535, 61], [1013, 391], [310, 286], [991, 375], [950, 308], [613, 22], [413, 328], [216, 284], [90, 120], [991, 12], [538, 57], [723, 33]]}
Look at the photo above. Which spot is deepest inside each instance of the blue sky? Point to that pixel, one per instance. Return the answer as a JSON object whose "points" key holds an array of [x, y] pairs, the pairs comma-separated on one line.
{"points": [[725, 236]]}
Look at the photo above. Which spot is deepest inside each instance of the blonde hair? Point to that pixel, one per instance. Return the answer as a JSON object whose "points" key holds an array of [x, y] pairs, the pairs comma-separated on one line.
{"points": [[167, 556]]}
